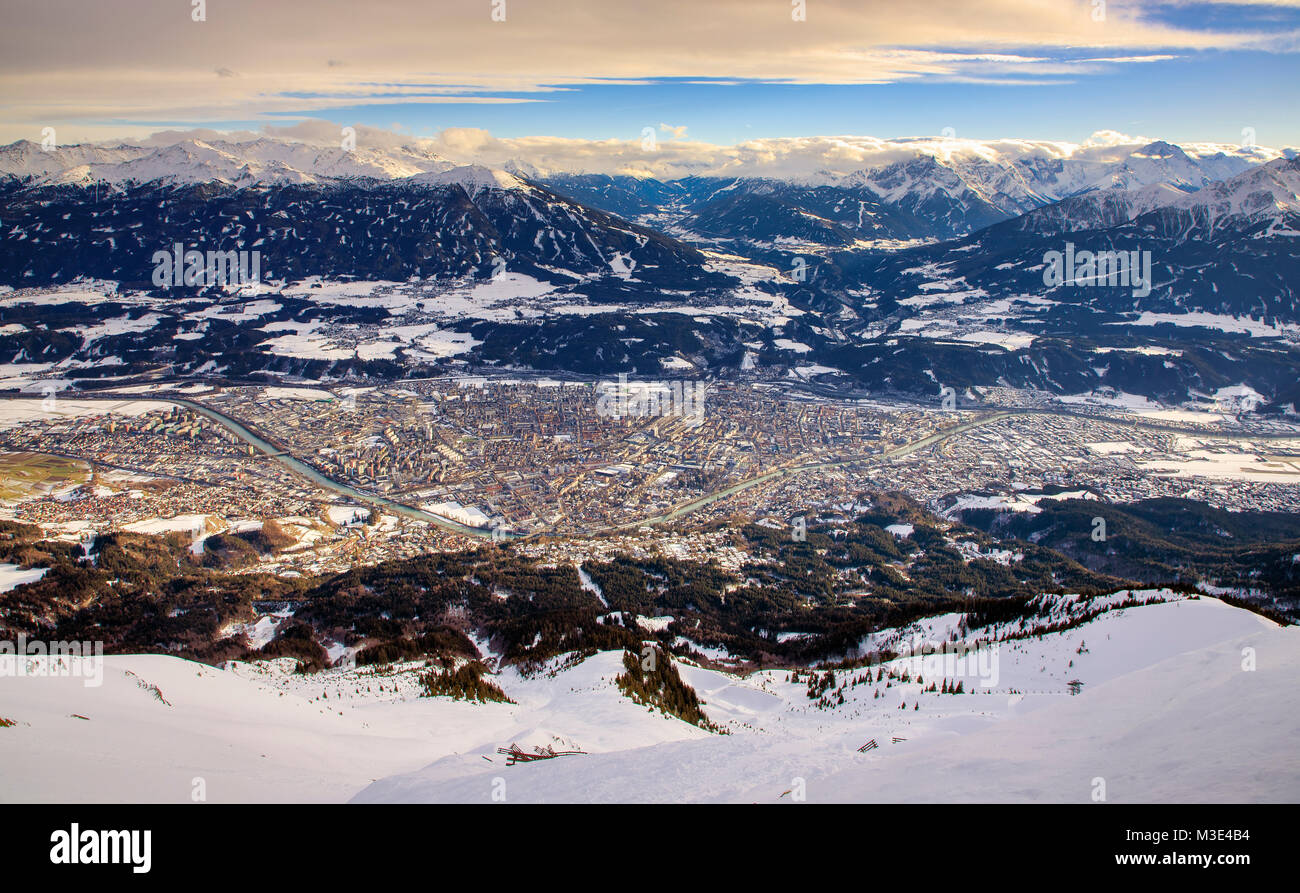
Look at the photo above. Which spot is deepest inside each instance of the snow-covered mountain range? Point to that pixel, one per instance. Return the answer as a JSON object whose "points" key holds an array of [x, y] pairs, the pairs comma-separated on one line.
{"points": [[1267, 191], [892, 274], [1011, 177], [198, 161], [932, 193]]}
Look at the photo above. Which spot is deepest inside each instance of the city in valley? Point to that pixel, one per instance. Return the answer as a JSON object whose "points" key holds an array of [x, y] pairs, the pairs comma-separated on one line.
{"points": [[365, 473]]}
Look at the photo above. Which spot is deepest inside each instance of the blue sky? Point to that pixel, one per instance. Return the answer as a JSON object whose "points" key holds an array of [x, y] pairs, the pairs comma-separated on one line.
{"points": [[726, 70], [1209, 96], [1200, 94]]}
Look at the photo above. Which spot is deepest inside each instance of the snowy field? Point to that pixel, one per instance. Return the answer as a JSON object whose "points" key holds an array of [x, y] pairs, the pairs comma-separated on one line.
{"points": [[1166, 713], [12, 575], [16, 412]]}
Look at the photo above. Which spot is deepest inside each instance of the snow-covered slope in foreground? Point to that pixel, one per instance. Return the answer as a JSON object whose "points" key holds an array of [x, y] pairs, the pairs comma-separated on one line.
{"points": [[1167, 713], [1173, 717]]}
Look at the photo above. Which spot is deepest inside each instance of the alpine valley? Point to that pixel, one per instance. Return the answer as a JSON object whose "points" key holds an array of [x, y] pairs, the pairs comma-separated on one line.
{"points": [[926, 469], [921, 273]]}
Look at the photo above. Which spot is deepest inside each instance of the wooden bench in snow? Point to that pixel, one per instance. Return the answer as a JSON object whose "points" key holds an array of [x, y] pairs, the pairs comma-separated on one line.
{"points": [[870, 745], [517, 754]]}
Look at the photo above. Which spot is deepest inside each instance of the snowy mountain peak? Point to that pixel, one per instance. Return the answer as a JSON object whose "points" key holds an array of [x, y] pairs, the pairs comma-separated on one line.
{"points": [[25, 158], [473, 178], [1160, 149], [1270, 190], [198, 161]]}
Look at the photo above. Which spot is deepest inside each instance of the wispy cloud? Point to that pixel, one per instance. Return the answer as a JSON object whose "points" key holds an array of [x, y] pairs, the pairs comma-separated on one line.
{"points": [[138, 62]]}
